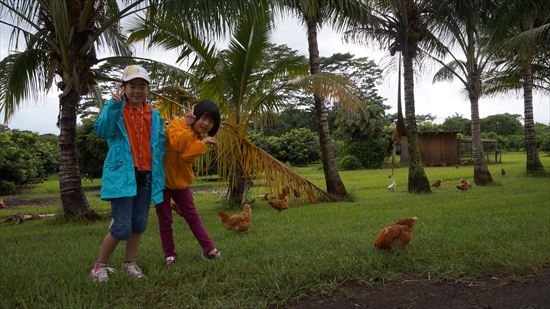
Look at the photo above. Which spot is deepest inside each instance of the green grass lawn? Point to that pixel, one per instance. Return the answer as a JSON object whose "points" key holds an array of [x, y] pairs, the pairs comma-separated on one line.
{"points": [[500, 229]]}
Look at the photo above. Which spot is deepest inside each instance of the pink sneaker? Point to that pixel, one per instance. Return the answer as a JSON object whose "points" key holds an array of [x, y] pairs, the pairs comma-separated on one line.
{"points": [[100, 272], [132, 269]]}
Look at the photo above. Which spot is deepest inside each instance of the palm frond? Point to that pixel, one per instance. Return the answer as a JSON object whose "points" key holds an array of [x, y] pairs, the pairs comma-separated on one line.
{"points": [[535, 36], [448, 71], [247, 47], [255, 163], [332, 87], [23, 75]]}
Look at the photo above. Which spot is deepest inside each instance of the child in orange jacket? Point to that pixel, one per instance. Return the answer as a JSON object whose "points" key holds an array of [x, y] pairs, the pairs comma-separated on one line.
{"points": [[186, 141]]}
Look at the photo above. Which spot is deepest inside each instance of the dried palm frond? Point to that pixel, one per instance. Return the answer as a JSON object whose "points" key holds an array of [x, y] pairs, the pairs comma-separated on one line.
{"points": [[238, 152]]}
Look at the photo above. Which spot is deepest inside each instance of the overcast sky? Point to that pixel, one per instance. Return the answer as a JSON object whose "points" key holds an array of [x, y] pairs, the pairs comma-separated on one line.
{"points": [[440, 100]]}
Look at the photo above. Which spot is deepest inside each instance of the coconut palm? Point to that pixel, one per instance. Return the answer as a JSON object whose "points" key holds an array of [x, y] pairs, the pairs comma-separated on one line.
{"points": [[404, 26], [314, 14], [527, 22], [61, 38], [237, 79], [463, 22]]}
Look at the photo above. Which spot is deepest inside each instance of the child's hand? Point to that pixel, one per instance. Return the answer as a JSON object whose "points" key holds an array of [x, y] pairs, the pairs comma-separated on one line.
{"points": [[190, 116], [211, 141], [118, 93]]}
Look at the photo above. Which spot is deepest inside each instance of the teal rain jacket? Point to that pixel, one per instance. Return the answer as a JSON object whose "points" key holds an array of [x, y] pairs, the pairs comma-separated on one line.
{"points": [[118, 179]]}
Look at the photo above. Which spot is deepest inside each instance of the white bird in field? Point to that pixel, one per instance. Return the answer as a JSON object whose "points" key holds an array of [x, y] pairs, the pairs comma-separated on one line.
{"points": [[392, 186]]}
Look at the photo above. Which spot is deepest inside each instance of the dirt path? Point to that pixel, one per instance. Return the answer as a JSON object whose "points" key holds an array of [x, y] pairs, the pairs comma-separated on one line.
{"points": [[525, 292]]}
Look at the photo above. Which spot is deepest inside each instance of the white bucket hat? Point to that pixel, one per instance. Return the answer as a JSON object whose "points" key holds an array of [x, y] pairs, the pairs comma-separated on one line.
{"points": [[135, 71]]}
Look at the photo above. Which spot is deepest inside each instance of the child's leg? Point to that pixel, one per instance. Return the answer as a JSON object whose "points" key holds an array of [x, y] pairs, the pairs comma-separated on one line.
{"points": [[107, 248], [120, 228], [140, 214], [164, 214], [184, 200]]}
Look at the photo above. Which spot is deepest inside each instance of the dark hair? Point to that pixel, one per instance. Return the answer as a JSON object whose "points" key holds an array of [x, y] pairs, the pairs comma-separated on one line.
{"points": [[210, 110]]}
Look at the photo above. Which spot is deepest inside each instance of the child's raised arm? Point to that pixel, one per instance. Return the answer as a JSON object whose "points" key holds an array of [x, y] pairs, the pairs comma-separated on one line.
{"points": [[105, 125]]}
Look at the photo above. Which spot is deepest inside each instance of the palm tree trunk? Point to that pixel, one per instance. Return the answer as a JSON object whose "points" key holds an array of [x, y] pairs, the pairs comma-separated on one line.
{"points": [[418, 181], [239, 189], [334, 183], [482, 175], [534, 165], [73, 201]]}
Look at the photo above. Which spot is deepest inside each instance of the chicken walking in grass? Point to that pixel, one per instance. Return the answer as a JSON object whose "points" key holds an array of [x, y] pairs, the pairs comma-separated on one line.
{"points": [[502, 171], [464, 185], [400, 233], [281, 203], [437, 184], [392, 186], [2, 204], [240, 222]]}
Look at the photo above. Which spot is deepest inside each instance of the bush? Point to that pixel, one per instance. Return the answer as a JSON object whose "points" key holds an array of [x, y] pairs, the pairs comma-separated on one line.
{"points": [[515, 142], [91, 149], [6, 187], [24, 158], [370, 153], [349, 163], [299, 147], [545, 142]]}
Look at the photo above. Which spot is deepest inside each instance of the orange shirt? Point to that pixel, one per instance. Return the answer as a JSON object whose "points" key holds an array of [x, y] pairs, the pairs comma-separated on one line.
{"points": [[138, 125], [183, 146]]}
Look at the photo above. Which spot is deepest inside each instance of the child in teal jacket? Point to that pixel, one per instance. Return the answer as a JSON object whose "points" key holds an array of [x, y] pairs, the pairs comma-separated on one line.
{"points": [[133, 171]]}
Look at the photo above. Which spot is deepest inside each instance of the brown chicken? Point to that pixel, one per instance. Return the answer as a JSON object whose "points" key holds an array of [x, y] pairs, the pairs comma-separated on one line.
{"points": [[437, 184], [240, 222], [502, 171], [2, 204], [279, 204], [464, 185], [400, 233]]}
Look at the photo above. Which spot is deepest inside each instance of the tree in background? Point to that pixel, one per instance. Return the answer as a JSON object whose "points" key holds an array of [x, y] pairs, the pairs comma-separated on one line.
{"points": [[313, 14], [514, 18], [464, 22], [502, 124], [407, 27], [457, 123], [362, 130]]}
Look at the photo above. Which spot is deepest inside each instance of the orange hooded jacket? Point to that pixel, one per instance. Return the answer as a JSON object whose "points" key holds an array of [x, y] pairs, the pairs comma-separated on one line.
{"points": [[182, 148]]}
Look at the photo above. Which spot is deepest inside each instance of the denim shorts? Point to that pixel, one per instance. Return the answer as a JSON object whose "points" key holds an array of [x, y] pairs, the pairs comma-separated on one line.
{"points": [[129, 214]]}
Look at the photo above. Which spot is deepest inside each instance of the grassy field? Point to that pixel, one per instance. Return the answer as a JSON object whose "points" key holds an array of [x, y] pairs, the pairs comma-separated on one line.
{"points": [[497, 230]]}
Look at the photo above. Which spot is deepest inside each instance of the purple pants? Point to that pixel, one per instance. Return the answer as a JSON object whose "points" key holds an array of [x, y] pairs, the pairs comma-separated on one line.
{"points": [[184, 201]]}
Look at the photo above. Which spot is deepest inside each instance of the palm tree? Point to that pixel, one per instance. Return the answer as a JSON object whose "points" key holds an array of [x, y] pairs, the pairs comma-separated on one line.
{"points": [[404, 26], [463, 21], [239, 82], [313, 13], [523, 21], [61, 38]]}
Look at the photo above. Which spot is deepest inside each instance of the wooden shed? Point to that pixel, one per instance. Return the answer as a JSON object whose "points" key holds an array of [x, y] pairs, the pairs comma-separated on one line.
{"points": [[436, 148]]}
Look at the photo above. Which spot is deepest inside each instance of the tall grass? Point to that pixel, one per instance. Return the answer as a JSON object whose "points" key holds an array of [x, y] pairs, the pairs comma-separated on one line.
{"points": [[492, 230]]}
